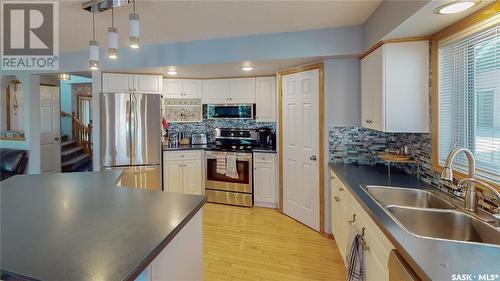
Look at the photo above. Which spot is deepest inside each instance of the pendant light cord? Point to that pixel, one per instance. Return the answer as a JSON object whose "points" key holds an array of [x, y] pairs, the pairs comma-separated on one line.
{"points": [[134, 5], [112, 17], [93, 24]]}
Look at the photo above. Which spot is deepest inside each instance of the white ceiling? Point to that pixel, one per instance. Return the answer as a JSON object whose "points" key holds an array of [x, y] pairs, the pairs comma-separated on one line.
{"points": [[426, 22], [233, 69], [180, 21]]}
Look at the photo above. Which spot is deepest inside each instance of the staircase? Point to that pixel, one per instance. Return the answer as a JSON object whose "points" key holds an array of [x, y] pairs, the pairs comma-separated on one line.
{"points": [[76, 154], [73, 156]]}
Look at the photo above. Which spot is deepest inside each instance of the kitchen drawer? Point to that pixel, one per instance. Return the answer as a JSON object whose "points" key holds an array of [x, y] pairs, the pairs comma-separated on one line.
{"points": [[183, 155], [267, 158]]}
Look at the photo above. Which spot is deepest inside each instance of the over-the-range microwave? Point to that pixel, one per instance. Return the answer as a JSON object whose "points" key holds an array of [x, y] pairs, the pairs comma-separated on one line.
{"points": [[230, 111]]}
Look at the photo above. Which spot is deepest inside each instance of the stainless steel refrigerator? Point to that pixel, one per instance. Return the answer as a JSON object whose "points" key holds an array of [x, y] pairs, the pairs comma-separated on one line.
{"points": [[131, 138]]}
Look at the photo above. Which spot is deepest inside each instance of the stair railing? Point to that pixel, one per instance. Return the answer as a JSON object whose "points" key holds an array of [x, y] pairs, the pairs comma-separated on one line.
{"points": [[81, 133]]}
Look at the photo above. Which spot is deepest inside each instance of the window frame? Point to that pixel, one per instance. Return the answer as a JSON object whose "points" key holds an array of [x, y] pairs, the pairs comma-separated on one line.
{"points": [[455, 29]]}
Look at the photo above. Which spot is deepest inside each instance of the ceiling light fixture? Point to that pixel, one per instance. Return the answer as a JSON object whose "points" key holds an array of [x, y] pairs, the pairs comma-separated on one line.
{"points": [[93, 47], [455, 7], [247, 68], [133, 28], [64, 76], [172, 72], [112, 38]]}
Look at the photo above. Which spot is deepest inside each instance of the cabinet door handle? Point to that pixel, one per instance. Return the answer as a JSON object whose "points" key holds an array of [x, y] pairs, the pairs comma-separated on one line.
{"points": [[353, 219], [369, 121], [336, 198], [341, 189]]}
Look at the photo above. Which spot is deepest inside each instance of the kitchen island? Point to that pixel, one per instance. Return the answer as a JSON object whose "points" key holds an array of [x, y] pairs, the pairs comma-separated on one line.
{"points": [[80, 226]]}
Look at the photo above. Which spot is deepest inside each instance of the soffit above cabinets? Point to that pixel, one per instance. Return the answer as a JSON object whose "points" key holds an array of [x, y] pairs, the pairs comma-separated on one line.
{"points": [[230, 69]]}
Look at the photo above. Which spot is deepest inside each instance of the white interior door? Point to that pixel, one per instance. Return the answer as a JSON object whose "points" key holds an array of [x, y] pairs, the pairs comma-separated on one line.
{"points": [[50, 112], [301, 147]]}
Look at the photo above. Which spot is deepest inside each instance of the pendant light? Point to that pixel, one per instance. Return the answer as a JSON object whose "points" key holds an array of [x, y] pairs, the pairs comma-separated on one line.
{"points": [[133, 28], [93, 47], [64, 76], [112, 38]]}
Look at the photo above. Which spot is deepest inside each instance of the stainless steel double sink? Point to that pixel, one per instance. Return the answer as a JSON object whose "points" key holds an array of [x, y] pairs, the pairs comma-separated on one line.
{"points": [[425, 213]]}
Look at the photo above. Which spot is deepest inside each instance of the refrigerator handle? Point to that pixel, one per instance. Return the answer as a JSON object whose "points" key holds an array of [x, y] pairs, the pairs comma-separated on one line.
{"points": [[127, 109], [133, 126]]}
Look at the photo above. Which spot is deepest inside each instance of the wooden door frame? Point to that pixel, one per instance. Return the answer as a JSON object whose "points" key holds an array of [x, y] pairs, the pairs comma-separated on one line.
{"points": [[279, 76]]}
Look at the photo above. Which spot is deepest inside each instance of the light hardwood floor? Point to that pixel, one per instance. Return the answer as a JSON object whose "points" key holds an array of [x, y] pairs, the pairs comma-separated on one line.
{"points": [[262, 244]]}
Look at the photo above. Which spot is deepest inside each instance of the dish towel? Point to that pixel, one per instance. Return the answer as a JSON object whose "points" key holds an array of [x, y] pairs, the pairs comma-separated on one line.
{"points": [[355, 263], [231, 169], [221, 164]]}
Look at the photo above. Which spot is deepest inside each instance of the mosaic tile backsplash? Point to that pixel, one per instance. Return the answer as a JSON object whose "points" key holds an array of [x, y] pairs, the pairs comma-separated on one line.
{"points": [[358, 145], [208, 125]]}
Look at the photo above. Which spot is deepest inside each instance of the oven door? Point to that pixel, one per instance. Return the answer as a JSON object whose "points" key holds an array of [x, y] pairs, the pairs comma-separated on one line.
{"points": [[230, 111], [216, 181]]}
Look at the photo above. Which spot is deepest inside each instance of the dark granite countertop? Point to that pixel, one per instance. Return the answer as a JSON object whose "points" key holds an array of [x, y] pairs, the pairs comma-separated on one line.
{"points": [[431, 259], [185, 147], [209, 147], [80, 226]]}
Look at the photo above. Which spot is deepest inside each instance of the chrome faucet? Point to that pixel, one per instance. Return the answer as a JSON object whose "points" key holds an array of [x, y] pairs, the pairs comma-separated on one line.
{"points": [[467, 183], [447, 174]]}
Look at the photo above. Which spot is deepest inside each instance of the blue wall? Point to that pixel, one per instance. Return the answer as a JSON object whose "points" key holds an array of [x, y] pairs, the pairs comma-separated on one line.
{"points": [[338, 41]]}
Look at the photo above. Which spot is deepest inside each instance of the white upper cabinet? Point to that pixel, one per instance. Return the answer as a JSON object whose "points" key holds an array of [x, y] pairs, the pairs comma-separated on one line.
{"points": [[148, 84], [172, 88], [242, 90], [183, 88], [124, 83], [116, 83], [395, 88], [229, 91], [265, 99], [216, 91], [192, 88]]}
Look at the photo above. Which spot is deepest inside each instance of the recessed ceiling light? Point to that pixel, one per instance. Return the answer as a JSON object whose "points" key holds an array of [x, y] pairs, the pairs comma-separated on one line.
{"points": [[172, 72], [247, 68], [455, 7]]}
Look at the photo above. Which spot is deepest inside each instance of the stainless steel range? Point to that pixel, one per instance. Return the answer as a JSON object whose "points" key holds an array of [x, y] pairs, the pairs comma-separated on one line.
{"points": [[221, 188]]}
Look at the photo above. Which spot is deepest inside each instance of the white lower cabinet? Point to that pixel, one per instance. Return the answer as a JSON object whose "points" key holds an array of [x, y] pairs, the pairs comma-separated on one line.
{"points": [[192, 177], [172, 176], [348, 218], [183, 172], [265, 180]]}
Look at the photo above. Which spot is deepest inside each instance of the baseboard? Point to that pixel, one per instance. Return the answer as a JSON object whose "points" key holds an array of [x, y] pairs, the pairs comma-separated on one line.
{"points": [[266, 205], [328, 235]]}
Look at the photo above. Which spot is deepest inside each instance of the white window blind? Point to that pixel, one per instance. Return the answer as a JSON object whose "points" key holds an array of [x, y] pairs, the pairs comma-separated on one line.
{"points": [[469, 99]]}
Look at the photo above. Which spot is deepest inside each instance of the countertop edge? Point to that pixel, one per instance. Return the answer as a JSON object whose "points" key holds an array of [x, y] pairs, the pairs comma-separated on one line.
{"points": [[134, 273], [418, 270], [205, 148]]}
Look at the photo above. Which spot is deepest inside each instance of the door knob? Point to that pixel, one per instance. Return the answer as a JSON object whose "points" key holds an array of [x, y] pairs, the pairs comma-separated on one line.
{"points": [[56, 138], [312, 158]]}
